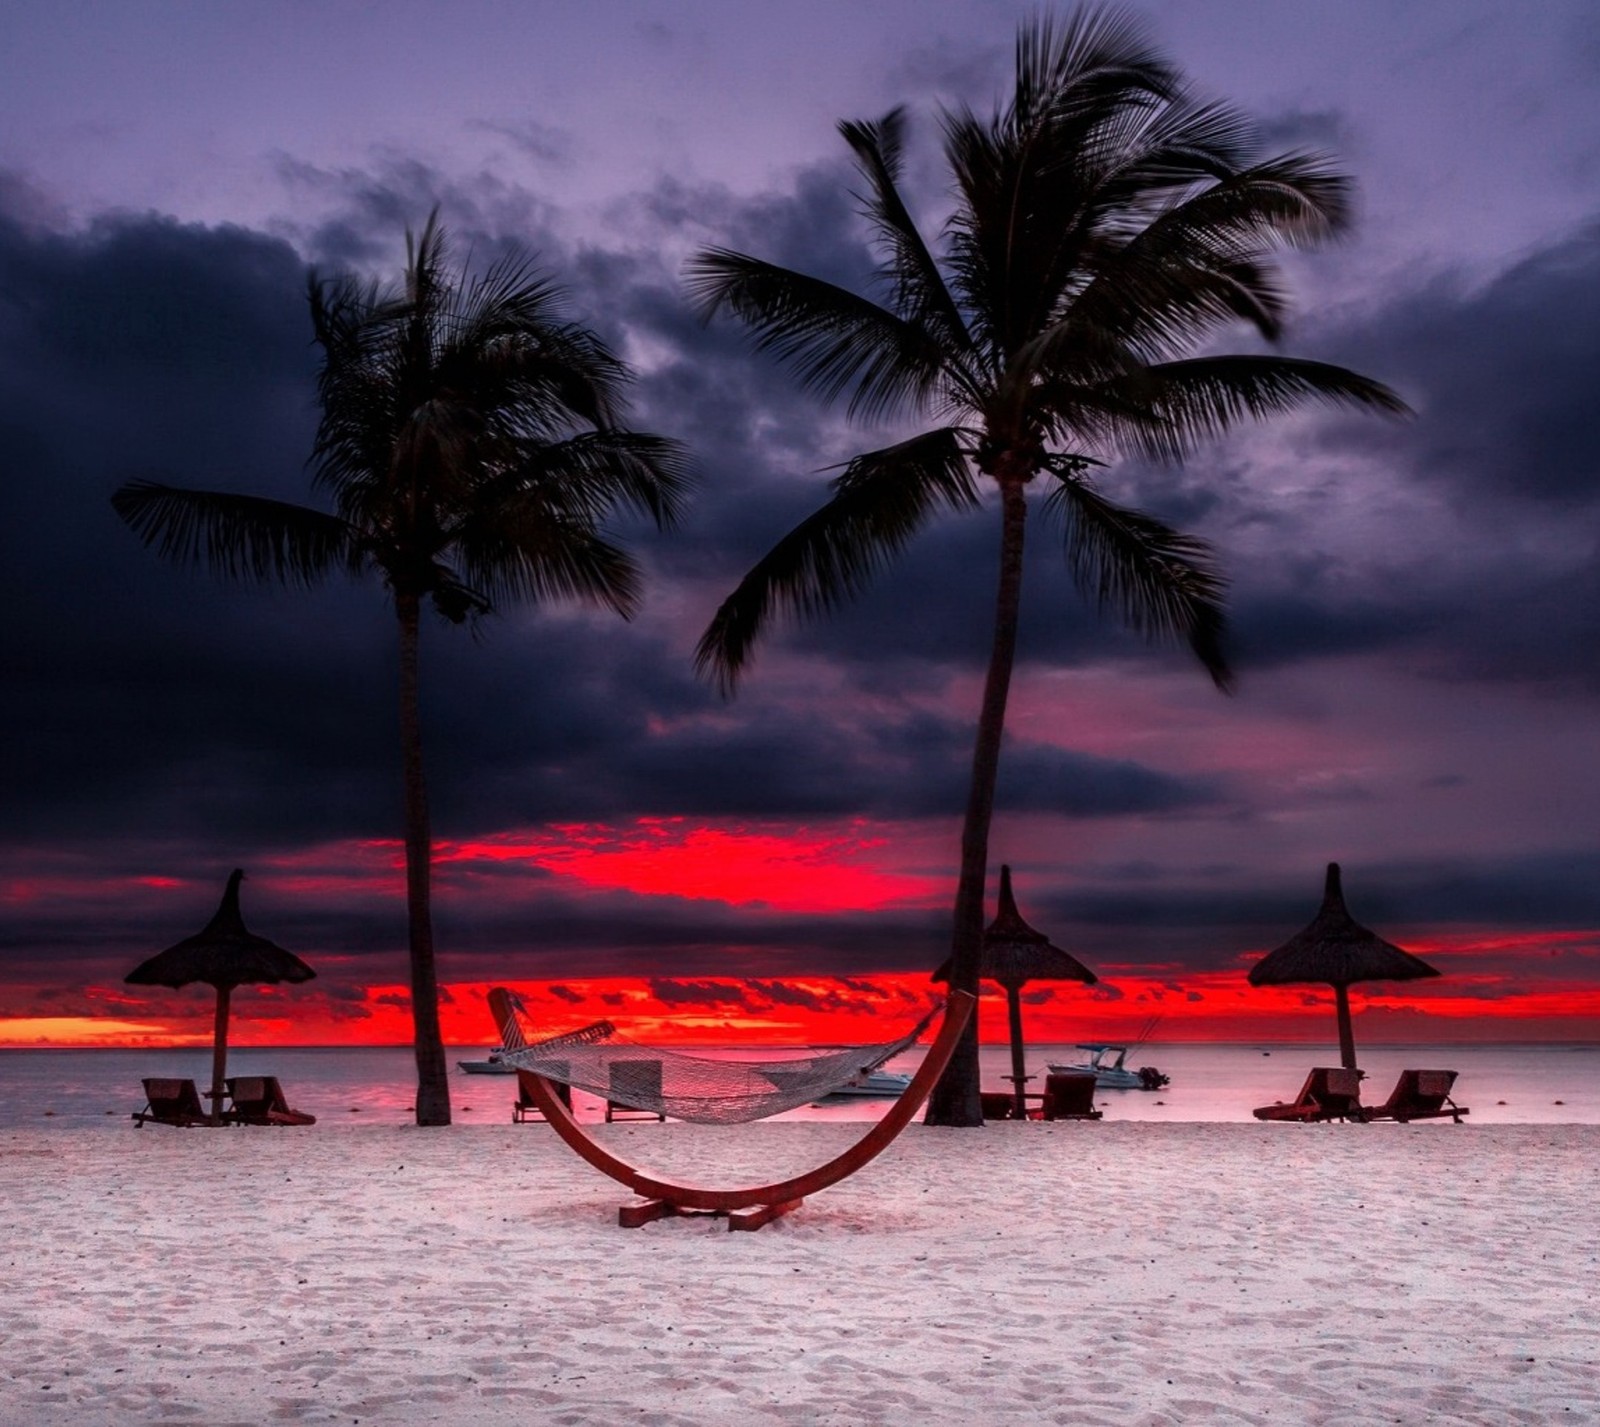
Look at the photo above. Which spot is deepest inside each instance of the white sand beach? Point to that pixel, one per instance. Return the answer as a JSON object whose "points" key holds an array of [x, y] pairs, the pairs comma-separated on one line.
{"points": [[1025, 1273]]}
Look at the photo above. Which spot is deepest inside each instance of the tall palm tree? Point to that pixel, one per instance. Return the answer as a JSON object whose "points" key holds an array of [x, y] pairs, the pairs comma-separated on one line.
{"points": [[1106, 228], [469, 445]]}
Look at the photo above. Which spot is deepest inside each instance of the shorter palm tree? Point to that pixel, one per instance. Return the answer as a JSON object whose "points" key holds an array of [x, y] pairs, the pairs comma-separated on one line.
{"points": [[470, 445]]}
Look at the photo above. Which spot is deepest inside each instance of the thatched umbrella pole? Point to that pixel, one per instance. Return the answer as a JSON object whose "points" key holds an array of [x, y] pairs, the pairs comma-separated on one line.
{"points": [[219, 1052], [1347, 1035]]}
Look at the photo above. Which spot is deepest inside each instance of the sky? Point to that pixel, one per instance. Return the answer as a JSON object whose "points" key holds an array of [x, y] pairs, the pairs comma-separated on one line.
{"points": [[1415, 606]]}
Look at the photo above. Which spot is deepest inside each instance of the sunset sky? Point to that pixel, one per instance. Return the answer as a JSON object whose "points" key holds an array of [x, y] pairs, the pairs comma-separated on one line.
{"points": [[1416, 606]]}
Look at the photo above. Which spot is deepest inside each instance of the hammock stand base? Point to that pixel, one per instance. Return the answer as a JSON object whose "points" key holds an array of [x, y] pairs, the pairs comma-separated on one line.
{"points": [[647, 1211], [748, 1208]]}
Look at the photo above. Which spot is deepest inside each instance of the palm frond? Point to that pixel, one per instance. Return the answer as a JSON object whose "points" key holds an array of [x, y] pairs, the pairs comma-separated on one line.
{"points": [[920, 294], [831, 338], [237, 536], [1205, 396], [529, 556], [1100, 60], [880, 501], [1029, 177], [595, 472], [1161, 583]]}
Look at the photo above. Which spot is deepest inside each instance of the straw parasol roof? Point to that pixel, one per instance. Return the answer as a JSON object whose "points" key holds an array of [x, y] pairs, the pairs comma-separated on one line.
{"points": [[223, 954], [1014, 954], [1336, 950]]}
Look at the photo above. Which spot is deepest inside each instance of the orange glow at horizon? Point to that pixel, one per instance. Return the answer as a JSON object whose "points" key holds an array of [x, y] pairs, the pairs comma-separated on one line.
{"points": [[1204, 1006], [87, 1032]]}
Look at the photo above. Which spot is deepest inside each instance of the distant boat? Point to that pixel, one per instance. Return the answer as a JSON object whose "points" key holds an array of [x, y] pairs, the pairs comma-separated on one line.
{"points": [[1105, 1063], [884, 1084], [494, 1065]]}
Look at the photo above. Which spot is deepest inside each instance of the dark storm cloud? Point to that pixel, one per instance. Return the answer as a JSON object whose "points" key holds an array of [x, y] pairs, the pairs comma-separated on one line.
{"points": [[1504, 377], [761, 996], [772, 762], [140, 347], [1152, 918], [1296, 130], [695, 993]]}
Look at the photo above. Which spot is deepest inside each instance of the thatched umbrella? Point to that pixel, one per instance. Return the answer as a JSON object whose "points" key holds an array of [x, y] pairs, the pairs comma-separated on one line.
{"points": [[1014, 954], [1337, 950], [224, 954]]}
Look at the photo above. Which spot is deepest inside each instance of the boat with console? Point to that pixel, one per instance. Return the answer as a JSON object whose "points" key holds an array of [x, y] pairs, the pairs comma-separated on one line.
{"points": [[884, 1084], [1106, 1064], [494, 1065]]}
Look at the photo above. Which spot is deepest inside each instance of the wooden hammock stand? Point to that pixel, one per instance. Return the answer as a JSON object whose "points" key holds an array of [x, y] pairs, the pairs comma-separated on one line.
{"points": [[760, 1204]]}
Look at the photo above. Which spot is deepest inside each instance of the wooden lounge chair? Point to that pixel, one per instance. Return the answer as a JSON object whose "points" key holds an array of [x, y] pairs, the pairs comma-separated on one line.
{"points": [[1330, 1093], [634, 1080], [258, 1100], [1419, 1095], [525, 1107], [171, 1102], [1067, 1097]]}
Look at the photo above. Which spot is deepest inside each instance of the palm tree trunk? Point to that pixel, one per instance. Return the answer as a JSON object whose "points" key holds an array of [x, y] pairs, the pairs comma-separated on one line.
{"points": [[954, 1101], [433, 1081]]}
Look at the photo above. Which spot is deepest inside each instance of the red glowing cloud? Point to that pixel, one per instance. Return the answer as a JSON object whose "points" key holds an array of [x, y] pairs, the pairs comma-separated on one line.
{"points": [[790, 871]]}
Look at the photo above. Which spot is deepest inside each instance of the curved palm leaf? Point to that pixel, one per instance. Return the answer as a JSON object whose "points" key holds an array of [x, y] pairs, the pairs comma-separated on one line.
{"points": [[880, 501], [920, 294], [1181, 402], [238, 536], [832, 339], [1161, 583], [1099, 60], [523, 554], [596, 471]]}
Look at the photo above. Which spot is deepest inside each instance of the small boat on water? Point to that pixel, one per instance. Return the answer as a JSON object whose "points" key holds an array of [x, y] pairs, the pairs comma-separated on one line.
{"points": [[884, 1084], [494, 1065], [1105, 1063]]}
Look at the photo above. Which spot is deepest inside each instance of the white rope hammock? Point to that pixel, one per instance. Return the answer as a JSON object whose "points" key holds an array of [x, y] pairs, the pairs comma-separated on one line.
{"points": [[695, 1088]]}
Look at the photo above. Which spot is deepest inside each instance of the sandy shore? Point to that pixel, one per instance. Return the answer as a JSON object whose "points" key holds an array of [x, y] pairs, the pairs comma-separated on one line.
{"points": [[1060, 1273]]}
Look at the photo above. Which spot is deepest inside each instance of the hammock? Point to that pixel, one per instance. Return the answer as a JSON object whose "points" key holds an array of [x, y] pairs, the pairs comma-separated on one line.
{"points": [[599, 1059]]}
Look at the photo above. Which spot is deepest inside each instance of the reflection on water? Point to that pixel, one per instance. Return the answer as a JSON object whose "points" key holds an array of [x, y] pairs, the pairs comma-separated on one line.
{"points": [[1537, 1084]]}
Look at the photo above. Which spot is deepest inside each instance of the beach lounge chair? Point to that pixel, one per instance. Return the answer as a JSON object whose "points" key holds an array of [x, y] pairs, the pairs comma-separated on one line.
{"points": [[258, 1100], [171, 1102], [1067, 1097], [526, 1107], [997, 1104], [1330, 1093], [1419, 1095], [633, 1080]]}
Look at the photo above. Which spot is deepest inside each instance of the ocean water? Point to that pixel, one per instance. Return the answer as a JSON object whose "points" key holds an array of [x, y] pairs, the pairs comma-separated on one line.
{"points": [[1500, 1084]]}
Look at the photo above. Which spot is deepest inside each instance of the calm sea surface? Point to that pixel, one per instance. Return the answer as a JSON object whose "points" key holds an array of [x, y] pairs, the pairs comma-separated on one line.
{"points": [[1501, 1084]]}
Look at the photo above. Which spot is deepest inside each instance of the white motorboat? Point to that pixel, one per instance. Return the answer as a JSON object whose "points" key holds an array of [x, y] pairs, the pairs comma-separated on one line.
{"points": [[1105, 1063], [885, 1084], [492, 1066]]}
